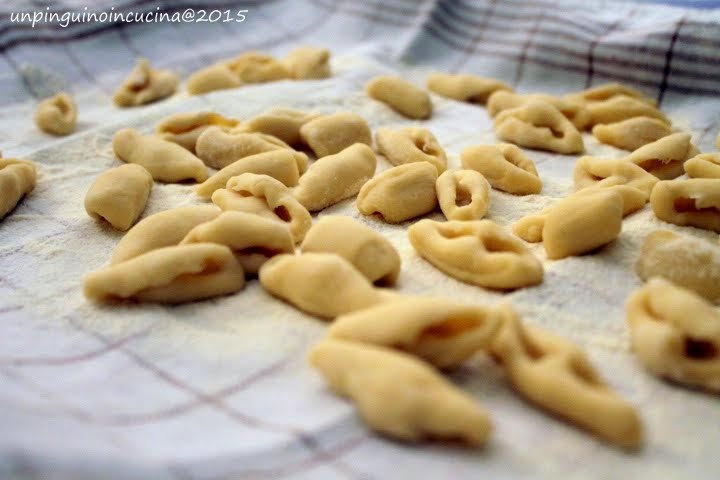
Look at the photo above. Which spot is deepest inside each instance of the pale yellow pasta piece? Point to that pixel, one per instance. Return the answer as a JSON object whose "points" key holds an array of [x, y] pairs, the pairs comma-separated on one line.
{"points": [[577, 224], [505, 166], [57, 115], [166, 161], [476, 252], [400, 193], [666, 157], [538, 124], [278, 200], [400, 95], [675, 333], [464, 87], [250, 67], [162, 229], [573, 110], [371, 253], [218, 148], [621, 107], [687, 261], [305, 63], [177, 274], [607, 91], [442, 332], [229, 200], [283, 164], [423, 404], [333, 178], [607, 172], [257, 67], [253, 239], [330, 134], [706, 165], [557, 376], [185, 128], [119, 196], [17, 179], [463, 194], [322, 284], [410, 144], [281, 123], [218, 76], [145, 85], [632, 133], [694, 202]]}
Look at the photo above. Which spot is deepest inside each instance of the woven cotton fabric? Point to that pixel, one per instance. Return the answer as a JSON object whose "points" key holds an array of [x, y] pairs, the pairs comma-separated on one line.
{"points": [[220, 389]]}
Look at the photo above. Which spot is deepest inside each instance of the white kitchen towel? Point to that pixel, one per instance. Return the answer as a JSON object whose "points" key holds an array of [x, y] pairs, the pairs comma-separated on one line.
{"points": [[220, 389]]}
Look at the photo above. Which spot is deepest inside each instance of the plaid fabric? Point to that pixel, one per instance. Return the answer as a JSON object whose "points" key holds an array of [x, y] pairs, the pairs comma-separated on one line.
{"points": [[553, 46], [533, 45]]}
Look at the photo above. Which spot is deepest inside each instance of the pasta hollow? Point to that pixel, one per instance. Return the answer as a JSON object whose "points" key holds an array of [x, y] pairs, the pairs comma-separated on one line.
{"points": [[185, 128]]}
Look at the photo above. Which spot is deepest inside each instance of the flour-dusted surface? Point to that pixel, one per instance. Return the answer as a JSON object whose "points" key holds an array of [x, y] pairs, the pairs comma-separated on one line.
{"points": [[221, 388]]}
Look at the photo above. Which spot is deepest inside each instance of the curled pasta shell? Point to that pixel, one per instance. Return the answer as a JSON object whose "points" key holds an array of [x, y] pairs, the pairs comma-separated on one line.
{"points": [[218, 148], [185, 128], [665, 158], [575, 111], [706, 165], [687, 261], [505, 166], [334, 178], [694, 202], [371, 253], [557, 376], [277, 199], [17, 179], [476, 252], [174, 274], [538, 124], [253, 239], [409, 145], [57, 115], [632, 133], [284, 165], [441, 332], [465, 88], [145, 85], [166, 161], [162, 229], [424, 405], [463, 194], [322, 284], [675, 333]]}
